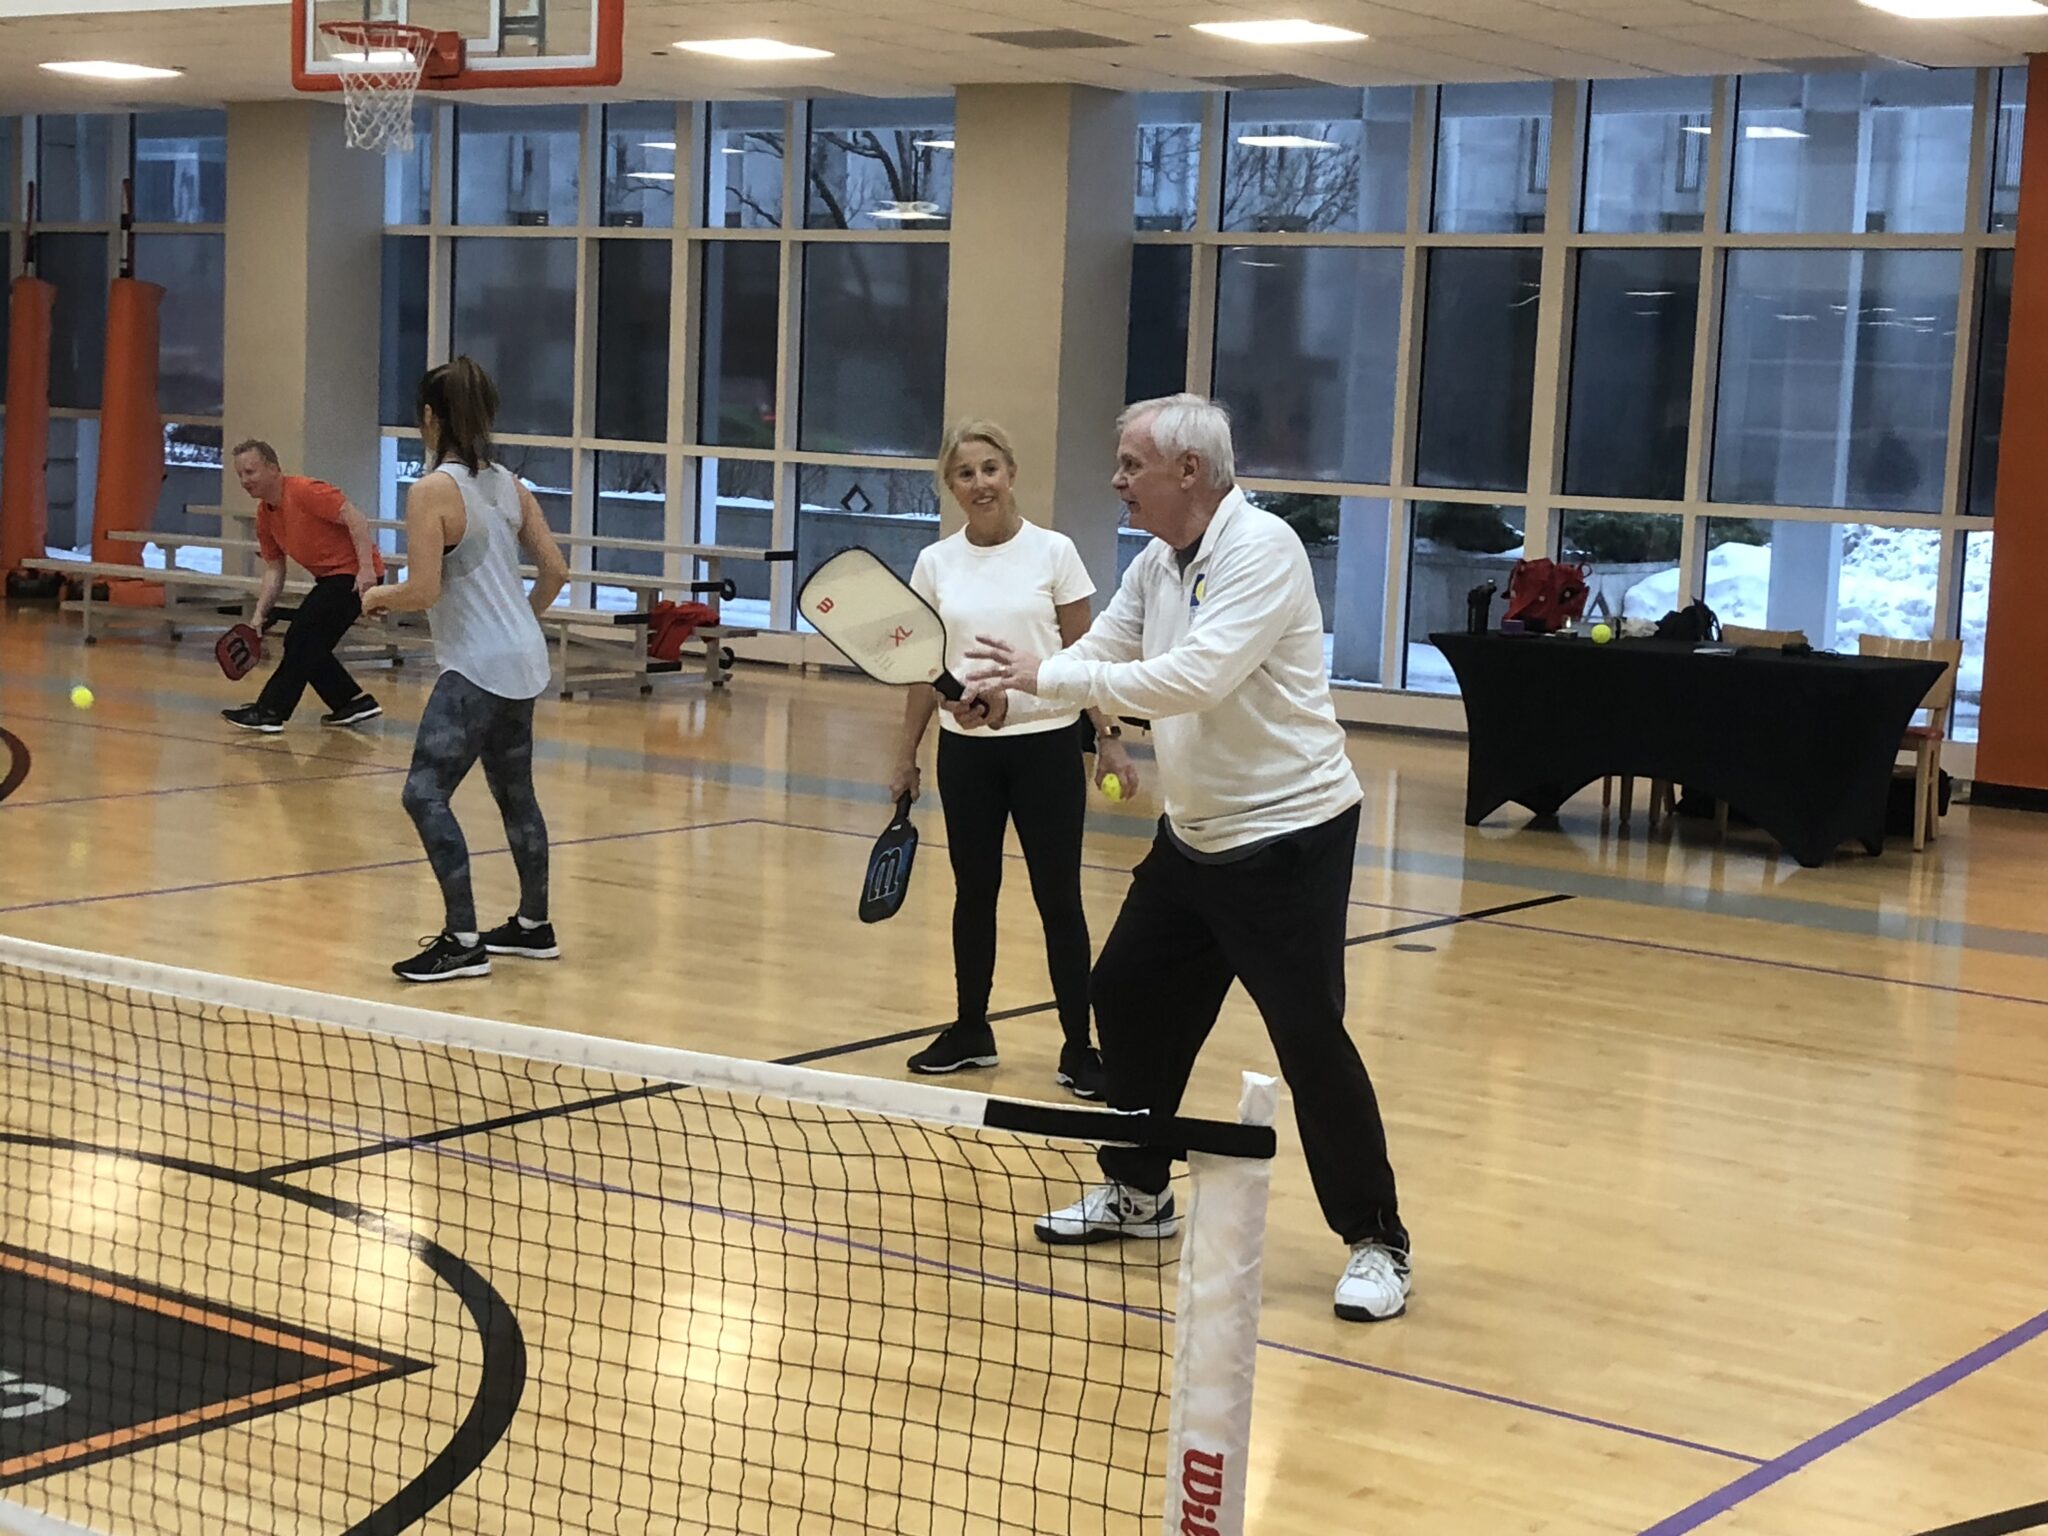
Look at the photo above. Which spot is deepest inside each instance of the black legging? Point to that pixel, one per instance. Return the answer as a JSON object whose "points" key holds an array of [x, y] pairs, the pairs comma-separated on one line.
{"points": [[985, 781], [460, 724]]}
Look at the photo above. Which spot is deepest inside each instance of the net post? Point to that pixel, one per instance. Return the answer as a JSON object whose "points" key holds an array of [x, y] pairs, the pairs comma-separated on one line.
{"points": [[1217, 1333]]}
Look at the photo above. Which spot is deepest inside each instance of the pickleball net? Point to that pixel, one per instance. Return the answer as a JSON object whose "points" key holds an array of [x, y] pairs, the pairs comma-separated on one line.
{"points": [[275, 1261]]}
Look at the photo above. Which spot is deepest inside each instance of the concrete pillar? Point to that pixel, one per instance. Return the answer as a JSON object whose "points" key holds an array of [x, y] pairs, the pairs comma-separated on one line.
{"points": [[304, 247], [1040, 302]]}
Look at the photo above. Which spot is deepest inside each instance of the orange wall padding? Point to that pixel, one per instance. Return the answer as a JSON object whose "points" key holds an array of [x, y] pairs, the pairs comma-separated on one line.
{"points": [[2012, 733], [24, 489], [131, 430]]}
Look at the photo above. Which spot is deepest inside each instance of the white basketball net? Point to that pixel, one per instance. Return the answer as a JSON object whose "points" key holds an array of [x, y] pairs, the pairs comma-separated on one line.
{"points": [[380, 63]]}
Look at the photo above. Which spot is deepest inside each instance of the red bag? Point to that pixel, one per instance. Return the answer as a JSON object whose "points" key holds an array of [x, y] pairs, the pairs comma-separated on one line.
{"points": [[1543, 594], [670, 626]]}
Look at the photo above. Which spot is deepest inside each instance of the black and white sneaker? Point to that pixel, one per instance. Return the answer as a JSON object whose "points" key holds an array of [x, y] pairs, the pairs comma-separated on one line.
{"points": [[513, 937], [959, 1045], [253, 717], [1108, 1212], [1080, 1071], [361, 708], [444, 958]]}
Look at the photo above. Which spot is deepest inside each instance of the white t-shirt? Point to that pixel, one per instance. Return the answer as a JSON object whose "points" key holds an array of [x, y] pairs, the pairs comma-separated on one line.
{"points": [[1008, 591]]}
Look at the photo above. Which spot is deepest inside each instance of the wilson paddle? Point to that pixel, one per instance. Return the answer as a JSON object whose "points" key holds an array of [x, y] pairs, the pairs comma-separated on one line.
{"points": [[878, 623], [888, 876]]}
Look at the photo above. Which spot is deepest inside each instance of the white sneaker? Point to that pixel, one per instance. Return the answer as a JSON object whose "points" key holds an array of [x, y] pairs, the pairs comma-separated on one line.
{"points": [[1374, 1287], [1110, 1211]]}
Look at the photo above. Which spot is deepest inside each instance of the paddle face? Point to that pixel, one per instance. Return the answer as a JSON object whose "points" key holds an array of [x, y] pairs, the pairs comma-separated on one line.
{"points": [[878, 623], [14, 766], [888, 875], [238, 651]]}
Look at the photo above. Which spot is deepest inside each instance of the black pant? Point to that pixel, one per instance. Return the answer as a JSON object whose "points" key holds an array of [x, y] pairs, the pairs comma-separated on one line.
{"points": [[1276, 922], [1037, 781], [325, 614], [461, 723]]}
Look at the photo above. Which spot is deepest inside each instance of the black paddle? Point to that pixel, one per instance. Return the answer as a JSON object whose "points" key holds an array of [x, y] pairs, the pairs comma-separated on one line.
{"points": [[14, 754], [888, 877]]}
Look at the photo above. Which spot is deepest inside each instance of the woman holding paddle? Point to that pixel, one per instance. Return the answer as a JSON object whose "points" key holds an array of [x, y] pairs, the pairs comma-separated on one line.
{"points": [[1001, 575]]}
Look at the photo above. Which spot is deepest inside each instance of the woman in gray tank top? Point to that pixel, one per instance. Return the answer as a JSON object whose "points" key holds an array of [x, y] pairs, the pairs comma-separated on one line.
{"points": [[467, 519]]}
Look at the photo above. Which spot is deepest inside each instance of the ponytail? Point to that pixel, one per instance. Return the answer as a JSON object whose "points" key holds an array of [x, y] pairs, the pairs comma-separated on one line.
{"points": [[465, 402]]}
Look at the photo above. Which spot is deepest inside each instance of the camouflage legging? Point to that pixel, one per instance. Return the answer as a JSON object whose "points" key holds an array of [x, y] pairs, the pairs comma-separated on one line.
{"points": [[460, 724]]}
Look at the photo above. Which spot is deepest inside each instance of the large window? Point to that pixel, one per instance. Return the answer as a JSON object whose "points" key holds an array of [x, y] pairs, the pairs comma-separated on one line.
{"points": [[880, 164], [742, 298], [402, 355], [1478, 368], [743, 165], [874, 348], [517, 165], [1156, 359], [1646, 156], [1307, 161], [76, 264], [515, 312], [181, 167], [1835, 374], [191, 324], [1166, 192], [1849, 153], [1305, 342], [632, 340], [640, 165], [1493, 158], [1631, 373], [74, 169], [1989, 425], [1831, 581]]}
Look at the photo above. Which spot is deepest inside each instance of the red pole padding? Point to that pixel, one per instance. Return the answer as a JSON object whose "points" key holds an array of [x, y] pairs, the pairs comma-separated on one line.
{"points": [[131, 431], [24, 487]]}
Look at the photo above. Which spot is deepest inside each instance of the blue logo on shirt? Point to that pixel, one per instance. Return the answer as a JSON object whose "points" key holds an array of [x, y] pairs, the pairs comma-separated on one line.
{"points": [[1200, 593]]}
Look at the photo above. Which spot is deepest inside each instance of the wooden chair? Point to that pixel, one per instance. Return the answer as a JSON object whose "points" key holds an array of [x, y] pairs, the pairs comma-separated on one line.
{"points": [[1924, 741]]}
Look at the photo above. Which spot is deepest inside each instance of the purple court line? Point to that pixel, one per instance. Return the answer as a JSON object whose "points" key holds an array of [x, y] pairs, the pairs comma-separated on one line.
{"points": [[352, 869], [198, 789], [1514, 1402], [1948, 988], [964, 1271], [1804, 1455]]}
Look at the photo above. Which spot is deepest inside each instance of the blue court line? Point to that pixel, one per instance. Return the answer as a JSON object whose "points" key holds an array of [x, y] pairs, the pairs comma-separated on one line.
{"points": [[1591, 883], [1832, 1439]]}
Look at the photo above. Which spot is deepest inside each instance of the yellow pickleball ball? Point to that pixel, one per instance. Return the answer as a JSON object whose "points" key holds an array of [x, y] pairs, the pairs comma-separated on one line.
{"points": [[81, 697], [1602, 633], [1112, 786]]}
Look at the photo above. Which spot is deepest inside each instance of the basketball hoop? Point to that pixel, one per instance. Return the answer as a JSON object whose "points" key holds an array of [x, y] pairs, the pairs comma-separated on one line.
{"points": [[380, 64]]}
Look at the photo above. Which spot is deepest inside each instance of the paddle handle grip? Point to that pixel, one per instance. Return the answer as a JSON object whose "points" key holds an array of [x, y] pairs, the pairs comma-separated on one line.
{"points": [[952, 691]]}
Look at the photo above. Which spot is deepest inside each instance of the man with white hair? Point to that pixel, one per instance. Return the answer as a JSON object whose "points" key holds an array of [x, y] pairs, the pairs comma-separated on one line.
{"points": [[1216, 637]]}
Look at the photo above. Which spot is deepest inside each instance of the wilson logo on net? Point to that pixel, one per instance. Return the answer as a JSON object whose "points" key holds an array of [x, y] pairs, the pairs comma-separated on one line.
{"points": [[1201, 1487]]}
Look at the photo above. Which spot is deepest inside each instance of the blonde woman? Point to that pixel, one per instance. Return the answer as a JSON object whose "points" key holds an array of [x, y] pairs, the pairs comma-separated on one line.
{"points": [[1003, 576]]}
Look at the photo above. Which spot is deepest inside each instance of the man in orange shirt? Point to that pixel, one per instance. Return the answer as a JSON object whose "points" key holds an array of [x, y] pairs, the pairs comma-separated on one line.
{"points": [[320, 528]]}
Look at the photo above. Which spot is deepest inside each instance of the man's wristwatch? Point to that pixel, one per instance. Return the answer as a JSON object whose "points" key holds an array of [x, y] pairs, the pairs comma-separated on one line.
{"points": [[1113, 731]]}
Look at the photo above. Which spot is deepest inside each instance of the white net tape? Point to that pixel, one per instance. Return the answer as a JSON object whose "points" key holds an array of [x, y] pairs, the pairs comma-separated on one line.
{"points": [[380, 64]]}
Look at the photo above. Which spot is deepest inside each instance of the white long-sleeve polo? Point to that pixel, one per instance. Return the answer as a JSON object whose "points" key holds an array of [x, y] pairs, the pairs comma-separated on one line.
{"points": [[1225, 658]]}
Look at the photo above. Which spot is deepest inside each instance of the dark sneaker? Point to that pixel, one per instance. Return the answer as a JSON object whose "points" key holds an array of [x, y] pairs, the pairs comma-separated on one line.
{"points": [[362, 708], [960, 1045], [512, 937], [253, 717], [1080, 1071], [444, 958]]}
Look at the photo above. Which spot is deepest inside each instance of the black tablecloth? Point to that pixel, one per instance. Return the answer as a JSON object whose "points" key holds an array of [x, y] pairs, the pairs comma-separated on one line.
{"points": [[1802, 745]]}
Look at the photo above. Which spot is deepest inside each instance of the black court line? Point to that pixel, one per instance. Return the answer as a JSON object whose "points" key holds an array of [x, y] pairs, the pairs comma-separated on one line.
{"points": [[902, 1037], [2030, 1518], [475, 1128], [1453, 921], [799, 1059]]}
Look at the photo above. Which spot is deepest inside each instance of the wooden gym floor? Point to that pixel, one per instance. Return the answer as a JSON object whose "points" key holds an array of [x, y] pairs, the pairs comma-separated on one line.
{"points": [[1724, 1176]]}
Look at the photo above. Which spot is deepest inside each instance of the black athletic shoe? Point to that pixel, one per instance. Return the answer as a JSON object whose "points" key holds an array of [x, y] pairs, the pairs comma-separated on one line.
{"points": [[444, 958], [1080, 1071], [961, 1045], [512, 937], [361, 708], [253, 717]]}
